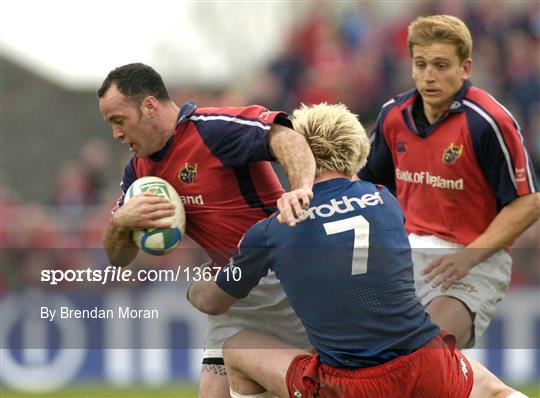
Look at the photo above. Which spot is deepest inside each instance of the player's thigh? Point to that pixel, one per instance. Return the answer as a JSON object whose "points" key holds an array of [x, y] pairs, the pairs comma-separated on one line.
{"points": [[451, 315], [213, 382], [480, 290], [261, 358], [486, 384]]}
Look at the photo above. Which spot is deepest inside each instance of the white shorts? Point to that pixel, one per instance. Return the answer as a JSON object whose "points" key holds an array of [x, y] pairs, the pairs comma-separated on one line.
{"points": [[265, 309], [481, 290]]}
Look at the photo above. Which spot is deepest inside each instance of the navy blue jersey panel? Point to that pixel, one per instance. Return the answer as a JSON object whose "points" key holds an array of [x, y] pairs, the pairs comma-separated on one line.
{"points": [[489, 153], [379, 168], [127, 179], [252, 259], [234, 141], [248, 190]]}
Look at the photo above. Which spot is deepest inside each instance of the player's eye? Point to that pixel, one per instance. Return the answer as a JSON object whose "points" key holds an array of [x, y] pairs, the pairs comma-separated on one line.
{"points": [[441, 66], [420, 65]]}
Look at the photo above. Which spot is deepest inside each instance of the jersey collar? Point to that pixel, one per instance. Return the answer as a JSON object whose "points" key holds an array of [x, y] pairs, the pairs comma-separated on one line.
{"points": [[455, 107], [337, 181], [457, 104], [186, 111], [159, 155]]}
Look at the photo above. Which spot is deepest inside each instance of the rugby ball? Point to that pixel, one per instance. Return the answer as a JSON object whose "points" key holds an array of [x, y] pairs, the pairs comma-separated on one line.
{"points": [[158, 241]]}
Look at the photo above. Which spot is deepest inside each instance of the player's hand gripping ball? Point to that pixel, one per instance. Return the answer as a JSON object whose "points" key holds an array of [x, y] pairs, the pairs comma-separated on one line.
{"points": [[159, 241]]}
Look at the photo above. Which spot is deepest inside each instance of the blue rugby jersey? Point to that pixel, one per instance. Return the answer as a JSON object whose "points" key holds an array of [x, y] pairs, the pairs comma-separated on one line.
{"points": [[346, 270]]}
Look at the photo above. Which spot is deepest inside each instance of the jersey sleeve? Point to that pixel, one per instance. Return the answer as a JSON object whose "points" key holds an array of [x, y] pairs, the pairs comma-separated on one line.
{"points": [[379, 168], [250, 263], [499, 149], [238, 136], [127, 179]]}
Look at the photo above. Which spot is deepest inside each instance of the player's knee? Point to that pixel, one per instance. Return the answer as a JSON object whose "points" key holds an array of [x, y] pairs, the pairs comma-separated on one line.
{"points": [[230, 344], [238, 340], [229, 349]]}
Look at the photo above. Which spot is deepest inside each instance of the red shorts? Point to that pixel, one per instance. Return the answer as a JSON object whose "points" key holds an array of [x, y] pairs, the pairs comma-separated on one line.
{"points": [[436, 370]]}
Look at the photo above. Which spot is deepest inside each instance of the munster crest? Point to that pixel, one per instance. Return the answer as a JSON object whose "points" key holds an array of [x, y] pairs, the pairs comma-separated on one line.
{"points": [[188, 173], [452, 153]]}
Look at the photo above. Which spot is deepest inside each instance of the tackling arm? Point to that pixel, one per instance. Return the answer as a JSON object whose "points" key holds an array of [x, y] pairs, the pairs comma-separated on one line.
{"points": [[250, 264], [292, 152]]}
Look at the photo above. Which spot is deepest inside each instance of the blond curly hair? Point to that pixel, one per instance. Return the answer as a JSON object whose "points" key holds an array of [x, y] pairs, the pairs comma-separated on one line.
{"points": [[335, 135]]}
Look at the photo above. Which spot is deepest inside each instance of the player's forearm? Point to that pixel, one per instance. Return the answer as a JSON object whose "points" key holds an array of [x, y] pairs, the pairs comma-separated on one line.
{"points": [[196, 295], [509, 224], [293, 154], [120, 249], [207, 297]]}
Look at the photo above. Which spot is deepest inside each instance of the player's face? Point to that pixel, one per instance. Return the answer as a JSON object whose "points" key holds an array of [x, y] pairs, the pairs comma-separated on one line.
{"points": [[129, 123], [439, 74]]}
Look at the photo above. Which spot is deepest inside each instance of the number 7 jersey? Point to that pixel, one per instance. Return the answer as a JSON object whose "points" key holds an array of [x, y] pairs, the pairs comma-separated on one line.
{"points": [[347, 272]]}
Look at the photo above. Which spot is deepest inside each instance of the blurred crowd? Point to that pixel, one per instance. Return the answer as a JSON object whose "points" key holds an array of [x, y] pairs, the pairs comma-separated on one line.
{"points": [[350, 54], [356, 55]]}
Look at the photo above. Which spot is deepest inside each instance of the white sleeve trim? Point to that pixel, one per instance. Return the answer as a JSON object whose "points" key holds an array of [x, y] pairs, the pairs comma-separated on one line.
{"points": [[229, 119]]}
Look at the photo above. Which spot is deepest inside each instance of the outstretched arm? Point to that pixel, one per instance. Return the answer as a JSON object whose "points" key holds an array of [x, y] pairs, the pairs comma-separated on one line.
{"points": [[292, 152], [215, 295]]}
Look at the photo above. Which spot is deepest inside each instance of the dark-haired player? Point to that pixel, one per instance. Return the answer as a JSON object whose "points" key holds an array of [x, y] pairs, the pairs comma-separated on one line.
{"points": [[217, 159]]}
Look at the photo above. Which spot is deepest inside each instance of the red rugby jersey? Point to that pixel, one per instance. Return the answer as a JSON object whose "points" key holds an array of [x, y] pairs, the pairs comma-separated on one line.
{"points": [[218, 162], [452, 179]]}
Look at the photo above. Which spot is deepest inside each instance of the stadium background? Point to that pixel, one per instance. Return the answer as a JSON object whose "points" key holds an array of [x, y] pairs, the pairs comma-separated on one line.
{"points": [[60, 168]]}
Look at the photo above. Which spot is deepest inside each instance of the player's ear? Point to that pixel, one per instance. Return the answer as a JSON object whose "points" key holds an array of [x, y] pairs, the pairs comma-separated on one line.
{"points": [[467, 68], [148, 104]]}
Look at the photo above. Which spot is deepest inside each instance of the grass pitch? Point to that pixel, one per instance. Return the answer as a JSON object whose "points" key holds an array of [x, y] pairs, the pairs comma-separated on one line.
{"points": [[172, 391]]}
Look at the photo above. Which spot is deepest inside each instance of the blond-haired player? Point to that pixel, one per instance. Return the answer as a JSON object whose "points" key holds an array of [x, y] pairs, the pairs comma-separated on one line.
{"points": [[347, 271], [455, 159]]}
